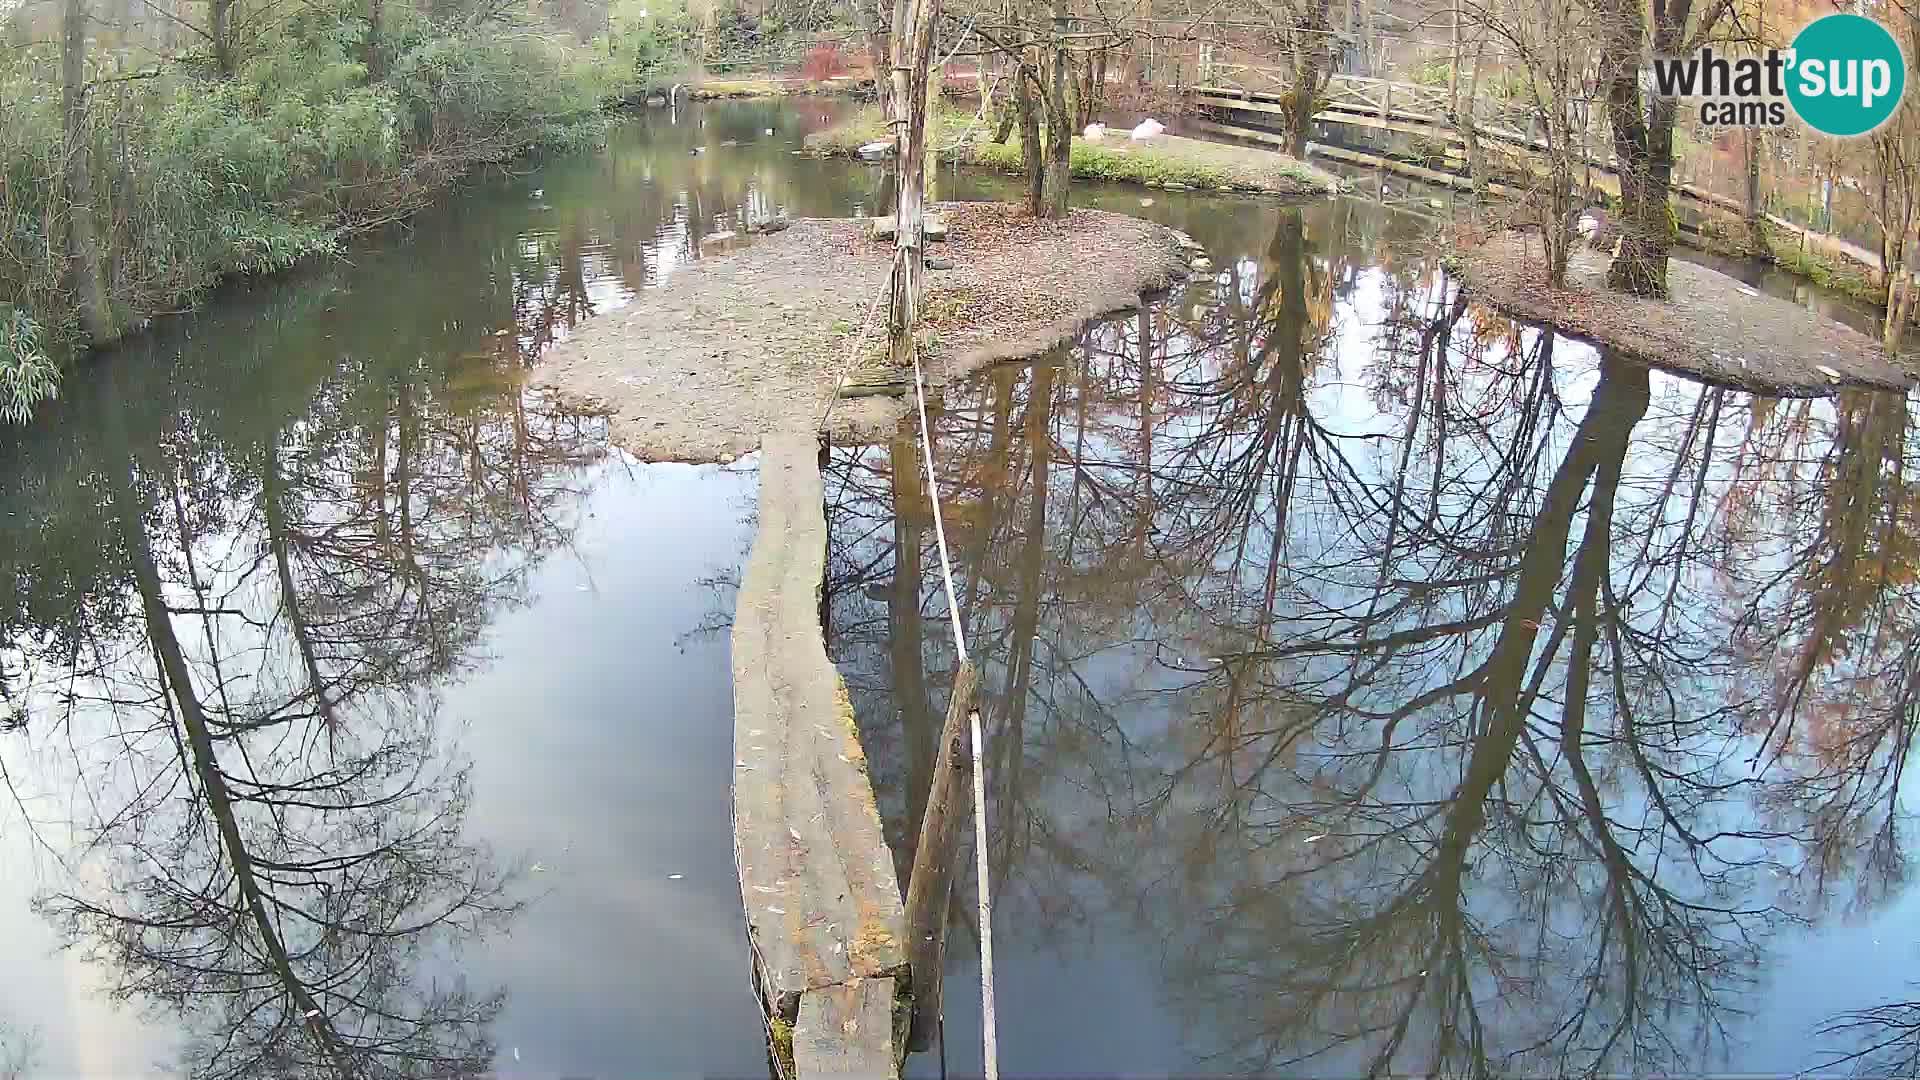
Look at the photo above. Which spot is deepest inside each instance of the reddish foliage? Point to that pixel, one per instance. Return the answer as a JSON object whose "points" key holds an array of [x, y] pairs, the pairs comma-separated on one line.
{"points": [[823, 62]]}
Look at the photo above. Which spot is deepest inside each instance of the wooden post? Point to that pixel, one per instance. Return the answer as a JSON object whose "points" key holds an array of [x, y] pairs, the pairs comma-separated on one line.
{"points": [[930, 884], [1453, 68], [1386, 101], [912, 51]]}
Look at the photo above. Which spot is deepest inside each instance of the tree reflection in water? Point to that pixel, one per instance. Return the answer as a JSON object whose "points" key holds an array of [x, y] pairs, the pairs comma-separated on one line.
{"points": [[1438, 696], [250, 624]]}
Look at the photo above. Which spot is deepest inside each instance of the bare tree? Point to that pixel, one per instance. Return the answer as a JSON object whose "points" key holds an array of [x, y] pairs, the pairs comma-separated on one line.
{"points": [[83, 238]]}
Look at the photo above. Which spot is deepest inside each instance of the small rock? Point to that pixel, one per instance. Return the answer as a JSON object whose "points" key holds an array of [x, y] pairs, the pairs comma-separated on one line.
{"points": [[779, 224], [875, 151], [939, 264]]}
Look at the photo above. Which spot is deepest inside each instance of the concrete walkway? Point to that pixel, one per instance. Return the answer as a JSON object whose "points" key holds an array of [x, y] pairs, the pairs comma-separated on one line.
{"points": [[823, 906]]}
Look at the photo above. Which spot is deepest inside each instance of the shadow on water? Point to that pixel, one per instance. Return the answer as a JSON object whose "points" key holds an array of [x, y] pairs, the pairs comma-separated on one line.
{"points": [[1376, 685]]}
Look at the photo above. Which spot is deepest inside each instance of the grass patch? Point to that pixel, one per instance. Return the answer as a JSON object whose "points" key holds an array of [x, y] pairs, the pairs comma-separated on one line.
{"points": [[740, 88], [867, 125], [1094, 161], [780, 1033], [1164, 162], [1169, 162], [1840, 275]]}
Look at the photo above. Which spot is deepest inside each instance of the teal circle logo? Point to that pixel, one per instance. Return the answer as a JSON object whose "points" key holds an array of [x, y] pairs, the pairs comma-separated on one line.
{"points": [[1847, 75]]}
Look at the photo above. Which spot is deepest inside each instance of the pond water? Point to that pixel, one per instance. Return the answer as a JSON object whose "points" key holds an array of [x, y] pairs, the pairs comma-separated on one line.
{"points": [[1370, 681]]}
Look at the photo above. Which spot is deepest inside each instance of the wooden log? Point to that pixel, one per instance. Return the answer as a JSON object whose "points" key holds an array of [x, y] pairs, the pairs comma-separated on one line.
{"points": [[846, 1030], [930, 885]]}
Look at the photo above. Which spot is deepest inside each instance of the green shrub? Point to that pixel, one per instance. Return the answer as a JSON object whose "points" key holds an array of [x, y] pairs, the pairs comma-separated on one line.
{"points": [[27, 375], [198, 177]]}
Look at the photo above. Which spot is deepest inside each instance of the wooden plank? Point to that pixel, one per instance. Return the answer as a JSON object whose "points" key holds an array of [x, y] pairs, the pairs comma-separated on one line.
{"points": [[816, 876], [847, 1031]]}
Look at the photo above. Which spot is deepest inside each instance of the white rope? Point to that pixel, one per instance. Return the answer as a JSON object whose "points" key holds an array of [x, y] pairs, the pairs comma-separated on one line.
{"points": [[846, 366], [989, 1028]]}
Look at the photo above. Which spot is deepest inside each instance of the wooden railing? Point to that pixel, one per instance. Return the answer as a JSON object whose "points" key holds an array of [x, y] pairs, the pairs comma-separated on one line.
{"points": [[1393, 103], [1415, 109]]}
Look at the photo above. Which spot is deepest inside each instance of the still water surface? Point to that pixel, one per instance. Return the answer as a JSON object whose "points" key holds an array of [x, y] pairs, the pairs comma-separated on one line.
{"points": [[1372, 682]]}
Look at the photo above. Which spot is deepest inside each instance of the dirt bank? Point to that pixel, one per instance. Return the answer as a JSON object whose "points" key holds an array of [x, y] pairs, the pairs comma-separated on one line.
{"points": [[1714, 327], [754, 341]]}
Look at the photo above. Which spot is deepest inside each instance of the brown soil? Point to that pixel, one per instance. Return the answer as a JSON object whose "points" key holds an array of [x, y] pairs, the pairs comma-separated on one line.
{"points": [[755, 341], [1713, 327]]}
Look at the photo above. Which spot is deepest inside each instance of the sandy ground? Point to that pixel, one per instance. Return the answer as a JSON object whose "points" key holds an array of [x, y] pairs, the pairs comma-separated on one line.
{"points": [[755, 340], [1714, 327]]}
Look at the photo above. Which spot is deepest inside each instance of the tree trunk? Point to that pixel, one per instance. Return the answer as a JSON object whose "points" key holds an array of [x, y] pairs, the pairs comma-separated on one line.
{"points": [[1059, 120], [1032, 154], [879, 54], [1469, 128], [1899, 272], [84, 263], [1755, 218], [223, 36], [912, 53], [376, 31], [1008, 115], [1453, 69], [930, 167], [1642, 146], [1309, 40]]}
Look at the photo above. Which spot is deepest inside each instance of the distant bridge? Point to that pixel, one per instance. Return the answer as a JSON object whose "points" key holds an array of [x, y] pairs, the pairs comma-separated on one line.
{"points": [[1249, 104]]}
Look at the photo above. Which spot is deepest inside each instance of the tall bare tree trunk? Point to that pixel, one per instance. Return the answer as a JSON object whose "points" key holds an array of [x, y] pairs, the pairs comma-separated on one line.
{"points": [[1463, 119], [1453, 68], [1899, 272], [84, 262], [930, 179], [912, 43], [1032, 154], [873, 13], [1310, 49], [222, 11], [1059, 118], [1642, 143], [1056, 70]]}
